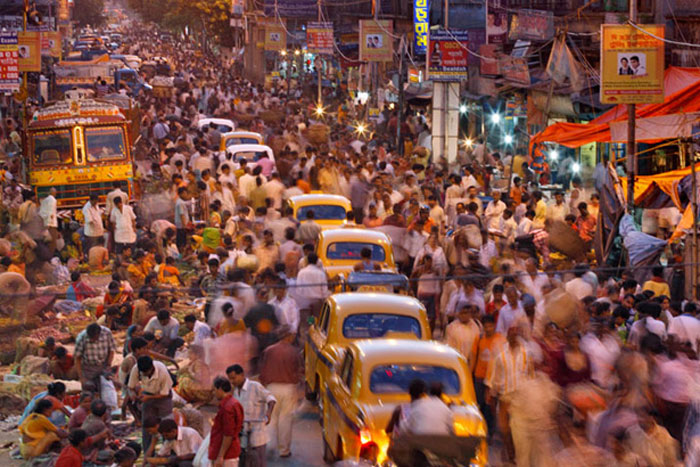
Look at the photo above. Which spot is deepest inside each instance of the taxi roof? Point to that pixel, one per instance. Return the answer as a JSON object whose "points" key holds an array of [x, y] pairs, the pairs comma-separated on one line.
{"points": [[367, 302], [353, 235], [320, 198], [400, 351], [233, 134]]}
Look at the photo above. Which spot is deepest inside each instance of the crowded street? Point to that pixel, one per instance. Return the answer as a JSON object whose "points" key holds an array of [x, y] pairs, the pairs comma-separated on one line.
{"points": [[346, 233]]}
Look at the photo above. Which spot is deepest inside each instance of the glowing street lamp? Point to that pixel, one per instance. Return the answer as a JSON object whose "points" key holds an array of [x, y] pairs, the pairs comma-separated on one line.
{"points": [[576, 167], [361, 129], [554, 154], [468, 143], [283, 53], [297, 52], [495, 118], [508, 139], [463, 109], [320, 110]]}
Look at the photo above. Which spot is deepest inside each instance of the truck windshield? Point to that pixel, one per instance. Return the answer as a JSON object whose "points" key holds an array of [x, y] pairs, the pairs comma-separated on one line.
{"points": [[52, 147], [105, 144]]}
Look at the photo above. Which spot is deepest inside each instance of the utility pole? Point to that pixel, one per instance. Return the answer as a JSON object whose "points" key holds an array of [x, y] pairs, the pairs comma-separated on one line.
{"points": [[631, 128], [318, 62], [399, 144]]}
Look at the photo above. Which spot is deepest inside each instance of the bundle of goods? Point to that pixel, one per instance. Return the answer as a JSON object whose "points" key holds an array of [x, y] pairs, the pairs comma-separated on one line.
{"points": [[163, 86], [318, 133], [271, 116], [566, 240], [242, 118]]}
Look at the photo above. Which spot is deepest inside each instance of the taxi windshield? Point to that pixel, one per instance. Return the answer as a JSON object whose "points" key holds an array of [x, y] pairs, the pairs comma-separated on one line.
{"points": [[52, 147], [376, 325], [104, 144], [392, 379], [323, 212], [353, 250], [241, 140], [250, 156]]}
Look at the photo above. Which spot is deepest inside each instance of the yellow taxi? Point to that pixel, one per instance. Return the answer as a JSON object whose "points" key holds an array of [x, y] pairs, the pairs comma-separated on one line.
{"points": [[373, 378], [232, 138], [346, 317], [329, 210], [340, 250]]}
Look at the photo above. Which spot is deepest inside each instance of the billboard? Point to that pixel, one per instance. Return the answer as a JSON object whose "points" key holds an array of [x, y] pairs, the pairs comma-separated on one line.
{"points": [[291, 8], [275, 37], [632, 64], [9, 62], [420, 26], [51, 44], [375, 41], [448, 58], [532, 25], [319, 38], [496, 26], [29, 51]]}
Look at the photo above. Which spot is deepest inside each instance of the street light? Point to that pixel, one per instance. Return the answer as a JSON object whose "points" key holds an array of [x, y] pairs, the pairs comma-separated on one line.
{"points": [[283, 53], [576, 167], [360, 128], [554, 154], [463, 109], [508, 139], [297, 52], [468, 143], [495, 118], [320, 110]]}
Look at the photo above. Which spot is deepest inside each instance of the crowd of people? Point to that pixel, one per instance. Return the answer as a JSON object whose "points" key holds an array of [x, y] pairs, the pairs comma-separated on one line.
{"points": [[571, 364]]}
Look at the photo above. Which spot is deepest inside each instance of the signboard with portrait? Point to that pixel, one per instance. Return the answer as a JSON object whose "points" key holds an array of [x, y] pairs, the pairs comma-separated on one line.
{"points": [[632, 64], [420, 26], [275, 37], [496, 25], [532, 25], [375, 41], [9, 62], [448, 58], [51, 44], [319, 38], [29, 51]]}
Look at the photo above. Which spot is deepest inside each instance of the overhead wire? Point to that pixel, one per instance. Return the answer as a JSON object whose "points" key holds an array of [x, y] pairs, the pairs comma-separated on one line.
{"points": [[667, 41]]}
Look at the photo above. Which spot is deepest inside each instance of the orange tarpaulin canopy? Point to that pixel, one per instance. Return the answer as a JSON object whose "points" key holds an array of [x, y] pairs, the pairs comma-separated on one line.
{"points": [[647, 187], [679, 100]]}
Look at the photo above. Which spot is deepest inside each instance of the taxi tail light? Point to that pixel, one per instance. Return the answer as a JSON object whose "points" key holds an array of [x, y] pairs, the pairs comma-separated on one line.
{"points": [[365, 436]]}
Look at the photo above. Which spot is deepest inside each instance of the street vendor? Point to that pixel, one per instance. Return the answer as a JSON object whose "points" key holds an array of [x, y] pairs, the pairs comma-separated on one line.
{"points": [[37, 431]]}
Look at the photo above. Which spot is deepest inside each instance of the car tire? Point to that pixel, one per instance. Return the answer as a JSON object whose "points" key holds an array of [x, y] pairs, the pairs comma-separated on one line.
{"points": [[311, 396], [328, 456]]}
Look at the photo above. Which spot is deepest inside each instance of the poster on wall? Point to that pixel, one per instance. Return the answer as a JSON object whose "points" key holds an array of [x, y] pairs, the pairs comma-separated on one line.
{"points": [[632, 64], [376, 44], [447, 55], [496, 25], [29, 51], [532, 25], [275, 37], [51, 44]]}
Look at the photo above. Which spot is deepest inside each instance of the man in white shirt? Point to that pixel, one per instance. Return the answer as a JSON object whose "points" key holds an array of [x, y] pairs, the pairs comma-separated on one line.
{"points": [[258, 404], [180, 444], [466, 293], [558, 210], [275, 190], [286, 308], [686, 327], [115, 193], [124, 221], [525, 225], [48, 213], [511, 313], [93, 227], [151, 384], [494, 211], [463, 333], [602, 349], [311, 288], [578, 287], [201, 330], [429, 415]]}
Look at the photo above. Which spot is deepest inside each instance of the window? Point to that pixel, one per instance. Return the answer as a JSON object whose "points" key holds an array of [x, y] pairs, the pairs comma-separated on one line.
{"points": [[352, 250], [346, 369], [376, 325], [325, 319], [322, 212], [250, 156], [241, 140], [52, 147], [392, 379], [104, 144]]}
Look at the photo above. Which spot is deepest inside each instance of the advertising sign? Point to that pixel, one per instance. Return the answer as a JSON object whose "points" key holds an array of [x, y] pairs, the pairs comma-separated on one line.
{"points": [[275, 37], [420, 26], [63, 11], [496, 25], [447, 55], [291, 8], [51, 44], [29, 51], [515, 70], [632, 64], [488, 64], [375, 42], [9, 62], [319, 38], [532, 25]]}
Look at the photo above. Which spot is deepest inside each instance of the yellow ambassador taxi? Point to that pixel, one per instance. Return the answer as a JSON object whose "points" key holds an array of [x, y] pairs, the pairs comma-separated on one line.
{"points": [[330, 211], [373, 378], [346, 317], [232, 138], [340, 250]]}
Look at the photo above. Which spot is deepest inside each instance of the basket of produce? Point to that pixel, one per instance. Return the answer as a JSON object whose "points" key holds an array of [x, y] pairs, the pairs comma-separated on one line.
{"points": [[318, 133]]}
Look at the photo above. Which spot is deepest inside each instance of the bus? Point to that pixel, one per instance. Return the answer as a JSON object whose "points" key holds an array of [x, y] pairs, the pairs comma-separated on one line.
{"points": [[79, 147]]}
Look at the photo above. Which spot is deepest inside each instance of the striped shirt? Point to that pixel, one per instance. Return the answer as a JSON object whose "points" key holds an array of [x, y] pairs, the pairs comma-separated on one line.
{"points": [[509, 369]]}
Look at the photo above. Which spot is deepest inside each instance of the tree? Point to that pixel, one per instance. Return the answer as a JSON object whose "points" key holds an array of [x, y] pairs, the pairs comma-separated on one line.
{"points": [[88, 12]]}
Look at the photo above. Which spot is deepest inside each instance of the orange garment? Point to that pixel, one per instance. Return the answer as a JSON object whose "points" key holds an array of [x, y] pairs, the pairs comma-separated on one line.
{"points": [[169, 275], [487, 349], [516, 195], [18, 268], [304, 186], [225, 327]]}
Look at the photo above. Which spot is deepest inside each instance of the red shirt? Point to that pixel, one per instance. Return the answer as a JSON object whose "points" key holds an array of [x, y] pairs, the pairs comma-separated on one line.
{"points": [[227, 422], [70, 457]]}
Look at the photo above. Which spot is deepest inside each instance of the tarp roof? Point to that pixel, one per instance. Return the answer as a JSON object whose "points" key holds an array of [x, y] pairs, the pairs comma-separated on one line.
{"points": [[682, 93], [662, 190]]}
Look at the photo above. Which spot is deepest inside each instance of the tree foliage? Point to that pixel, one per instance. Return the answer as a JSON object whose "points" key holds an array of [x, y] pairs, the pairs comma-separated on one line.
{"points": [[88, 12]]}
